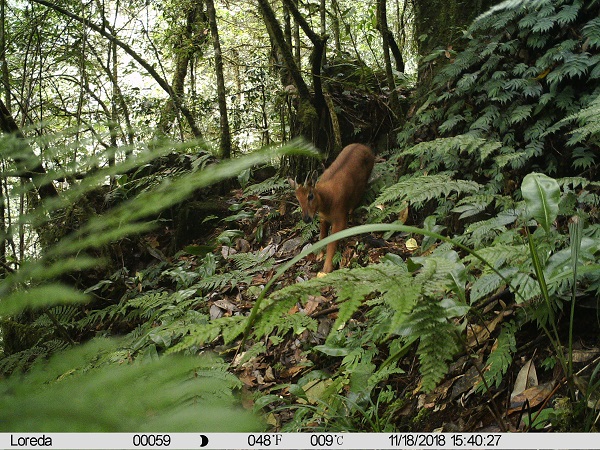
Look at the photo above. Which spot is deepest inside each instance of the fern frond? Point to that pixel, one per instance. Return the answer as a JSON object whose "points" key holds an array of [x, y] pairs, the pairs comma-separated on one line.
{"points": [[252, 262], [203, 333], [419, 189], [270, 185], [486, 230], [591, 31], [391, 282], [589, 122], [438, 273], [489, 283], [499, 255], [429, 323], [220, 280], [501, 357], [473, 204]]}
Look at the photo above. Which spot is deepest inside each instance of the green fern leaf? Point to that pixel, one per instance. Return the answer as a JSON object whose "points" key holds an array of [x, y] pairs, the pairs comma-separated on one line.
{"points": [[420, 189], [252, 262], [451, 123], [429, 323], [501, 357], [568, 13], [591, 32], [520, 113], [543, 25]]}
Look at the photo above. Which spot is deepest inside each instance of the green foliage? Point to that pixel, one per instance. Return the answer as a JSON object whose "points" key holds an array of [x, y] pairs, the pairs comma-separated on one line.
{"points": [[500, 358], [521, 101], [108, 385], [541, 194], [518, 82], [91, 389], [417, 190], [403, 303]]}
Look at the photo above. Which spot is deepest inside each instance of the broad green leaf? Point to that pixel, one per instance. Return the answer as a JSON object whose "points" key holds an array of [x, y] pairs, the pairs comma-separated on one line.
{"points": [[332, 350], [541, 194]]}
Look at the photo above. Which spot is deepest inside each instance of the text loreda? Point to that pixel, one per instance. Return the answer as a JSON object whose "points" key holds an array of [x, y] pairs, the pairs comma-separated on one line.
{"points": [[30, 441]]}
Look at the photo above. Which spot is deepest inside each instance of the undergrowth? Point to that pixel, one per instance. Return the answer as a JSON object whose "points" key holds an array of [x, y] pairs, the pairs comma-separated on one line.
{"points": [[498, 170]]}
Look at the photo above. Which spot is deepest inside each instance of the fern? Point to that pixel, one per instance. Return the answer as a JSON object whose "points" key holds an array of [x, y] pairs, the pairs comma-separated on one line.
{"points": [[221, 280], [437, 340], [390, 281], [489, 283], [484, 231], [270, 185], [419, 189], [501, 357], [515, 82], [252, 262], [200, 334], [473, 204], [438, 273], [177, 393], [591, 32], [589, 123]]}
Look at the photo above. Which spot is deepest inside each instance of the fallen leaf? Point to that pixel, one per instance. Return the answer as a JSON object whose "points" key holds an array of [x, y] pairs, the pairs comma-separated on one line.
{"points": [[535, 396], [226, 305], [215, 312], [311, 305], [478, 335], [403, 216], [411, 245], [526, 379], [247, 379], [269, 375], [581, 356], [291, 372]]}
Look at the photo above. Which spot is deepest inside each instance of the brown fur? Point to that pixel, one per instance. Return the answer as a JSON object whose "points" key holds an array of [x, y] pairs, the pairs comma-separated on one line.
{"points": [[337, 193]]}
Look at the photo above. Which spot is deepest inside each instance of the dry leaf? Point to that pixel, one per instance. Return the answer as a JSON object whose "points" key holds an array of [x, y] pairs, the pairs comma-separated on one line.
{"points": [[526, 379], [311, 305], [411, 245], [403, 216], [535, 396], [226, 305], [581, 356]]}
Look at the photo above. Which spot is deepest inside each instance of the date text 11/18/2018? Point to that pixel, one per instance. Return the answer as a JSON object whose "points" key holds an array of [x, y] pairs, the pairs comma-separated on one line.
{"points": [[441, 440]]}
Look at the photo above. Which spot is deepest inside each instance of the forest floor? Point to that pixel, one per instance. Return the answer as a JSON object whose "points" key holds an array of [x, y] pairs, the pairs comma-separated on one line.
{"points": [[530, 387]]}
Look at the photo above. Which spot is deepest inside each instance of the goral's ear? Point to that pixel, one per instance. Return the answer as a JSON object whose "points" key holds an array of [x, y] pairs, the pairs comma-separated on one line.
{"points": [[293, 183]]}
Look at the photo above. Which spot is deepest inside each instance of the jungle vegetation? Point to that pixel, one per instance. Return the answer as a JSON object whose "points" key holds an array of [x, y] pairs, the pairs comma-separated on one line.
{"points": [[155, 273]]}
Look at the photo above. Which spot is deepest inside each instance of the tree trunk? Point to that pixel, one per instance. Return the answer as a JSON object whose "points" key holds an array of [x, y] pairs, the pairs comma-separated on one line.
{"points": [[225, 145], [187, 45], [439, 23], [307, 115], [335, 25], [4, 64], [319, 105], [387, 38]]}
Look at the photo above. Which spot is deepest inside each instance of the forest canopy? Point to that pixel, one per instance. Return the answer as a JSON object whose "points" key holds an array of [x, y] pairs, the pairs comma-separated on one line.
{"points": [[154, 266]]}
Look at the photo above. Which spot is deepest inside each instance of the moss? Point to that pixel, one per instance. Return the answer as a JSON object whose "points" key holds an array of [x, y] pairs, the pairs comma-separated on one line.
{"points": [[307, 114]]}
